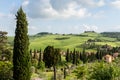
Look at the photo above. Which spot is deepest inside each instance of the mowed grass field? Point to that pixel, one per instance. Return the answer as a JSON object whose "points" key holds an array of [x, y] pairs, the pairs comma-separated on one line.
{"points": [[69, 41]]}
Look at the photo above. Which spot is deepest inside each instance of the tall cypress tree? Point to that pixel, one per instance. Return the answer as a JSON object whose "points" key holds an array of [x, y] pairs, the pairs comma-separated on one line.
{"points": [[74, 57], [21, 55], [67, 56]]}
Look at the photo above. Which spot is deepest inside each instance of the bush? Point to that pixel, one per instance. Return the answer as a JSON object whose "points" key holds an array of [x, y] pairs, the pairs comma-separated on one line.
{"points": [[98, 71], [105, 71], [41, 65], [82, 72], [34, 62], [5, 71]]}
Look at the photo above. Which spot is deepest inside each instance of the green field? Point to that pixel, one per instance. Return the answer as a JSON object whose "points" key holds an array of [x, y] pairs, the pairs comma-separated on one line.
{"points": [[70, 41]]}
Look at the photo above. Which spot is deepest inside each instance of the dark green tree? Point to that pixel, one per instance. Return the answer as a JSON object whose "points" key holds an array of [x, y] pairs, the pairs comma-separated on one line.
{"points": [[77, 57], [67, 56], [84, 56], [21, 54], [56, 59], [35, 54], [74, 57], [48, 56], [51, 57]]}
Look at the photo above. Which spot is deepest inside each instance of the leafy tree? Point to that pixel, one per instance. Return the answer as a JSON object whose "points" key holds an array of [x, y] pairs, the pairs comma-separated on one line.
{"points": [[56, 59], [51, 57], [21, 55], [48, 56]]}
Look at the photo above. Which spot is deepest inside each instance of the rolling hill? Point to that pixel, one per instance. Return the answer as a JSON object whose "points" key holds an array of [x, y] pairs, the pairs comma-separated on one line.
{"points": [[70, 41]]}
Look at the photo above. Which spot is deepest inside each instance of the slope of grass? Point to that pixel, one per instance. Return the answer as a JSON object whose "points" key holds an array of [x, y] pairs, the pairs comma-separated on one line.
{"points": [[68, 41], [71, 43]]}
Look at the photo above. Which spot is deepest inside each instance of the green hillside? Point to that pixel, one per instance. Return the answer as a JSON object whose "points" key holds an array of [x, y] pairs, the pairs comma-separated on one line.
{"points": [[70, 41]]}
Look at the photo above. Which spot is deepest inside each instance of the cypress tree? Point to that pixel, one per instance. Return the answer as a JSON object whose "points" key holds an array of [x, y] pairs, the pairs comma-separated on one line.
{"points": [[41, 64], [35, 54], [84, 56], [77, 57], [31, 54], [74, 57], [67, 56], [21, 55]]}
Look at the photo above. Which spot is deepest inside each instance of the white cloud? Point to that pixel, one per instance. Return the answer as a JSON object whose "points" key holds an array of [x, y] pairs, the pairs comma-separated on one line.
{"points": [[116, 3], [90, 27], [56, 9], [92, 3], [2, 15], [25, 3], [42, 9], [32, 28], [99, 14]]}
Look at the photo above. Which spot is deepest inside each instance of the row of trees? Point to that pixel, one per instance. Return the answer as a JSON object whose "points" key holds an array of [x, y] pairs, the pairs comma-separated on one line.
{"points": [[76, 56]]}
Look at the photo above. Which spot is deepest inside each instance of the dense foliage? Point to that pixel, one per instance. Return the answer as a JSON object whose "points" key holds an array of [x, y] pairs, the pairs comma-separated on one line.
{"points": [[112, 34], [5, 70], [21, 55], [98, 71]]}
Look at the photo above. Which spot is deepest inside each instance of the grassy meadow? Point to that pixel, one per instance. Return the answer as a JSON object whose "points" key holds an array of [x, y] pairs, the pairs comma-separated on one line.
{"points": [[70, 41]]}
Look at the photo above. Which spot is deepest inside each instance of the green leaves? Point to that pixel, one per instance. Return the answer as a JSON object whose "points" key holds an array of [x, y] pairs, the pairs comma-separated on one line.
{"points": [[98, 71], [51, 56], [21, 56]]}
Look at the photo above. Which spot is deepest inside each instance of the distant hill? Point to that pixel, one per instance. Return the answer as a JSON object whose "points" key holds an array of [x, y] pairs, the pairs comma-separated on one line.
{"points": [[111, 34], [70, 41]]}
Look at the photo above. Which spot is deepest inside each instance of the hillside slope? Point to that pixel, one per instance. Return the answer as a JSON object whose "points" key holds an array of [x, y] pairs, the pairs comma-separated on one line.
{"points": [[70, 41]]}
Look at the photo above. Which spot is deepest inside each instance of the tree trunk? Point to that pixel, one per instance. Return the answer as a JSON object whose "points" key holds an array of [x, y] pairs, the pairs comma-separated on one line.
{"points": [[54, 72]]}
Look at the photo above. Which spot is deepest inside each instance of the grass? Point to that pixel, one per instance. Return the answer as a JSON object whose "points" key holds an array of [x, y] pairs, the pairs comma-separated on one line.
{"points": [[72, 41]]}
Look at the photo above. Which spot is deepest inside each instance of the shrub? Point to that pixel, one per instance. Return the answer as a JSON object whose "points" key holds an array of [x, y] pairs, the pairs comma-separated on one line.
{"points": [[82, 72], [105, 71], [41, 65], [5, 71]]}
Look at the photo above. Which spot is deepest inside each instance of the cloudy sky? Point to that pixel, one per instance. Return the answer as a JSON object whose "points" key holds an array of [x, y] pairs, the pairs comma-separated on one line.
{"points": [[62, 16]]}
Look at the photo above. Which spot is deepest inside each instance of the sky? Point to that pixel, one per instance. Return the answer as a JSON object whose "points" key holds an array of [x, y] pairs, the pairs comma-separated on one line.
{"points": [[62, 16]]}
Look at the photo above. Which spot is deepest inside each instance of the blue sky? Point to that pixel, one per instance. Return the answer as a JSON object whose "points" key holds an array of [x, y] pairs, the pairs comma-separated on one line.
{"points": [[62, 16]]}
